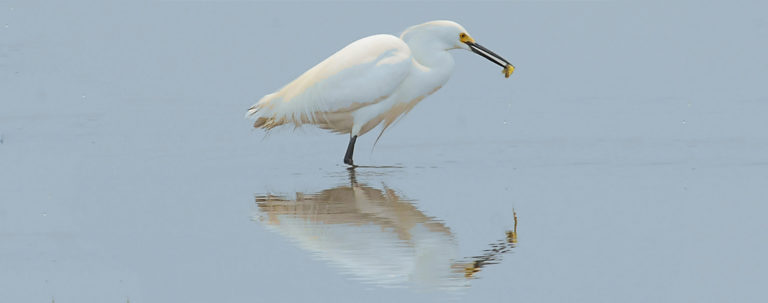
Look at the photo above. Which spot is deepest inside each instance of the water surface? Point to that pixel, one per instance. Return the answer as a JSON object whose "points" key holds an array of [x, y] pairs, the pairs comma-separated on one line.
{"points": [[630, 147]]}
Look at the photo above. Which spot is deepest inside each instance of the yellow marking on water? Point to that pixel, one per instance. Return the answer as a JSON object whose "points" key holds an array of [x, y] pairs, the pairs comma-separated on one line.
{"points": [[512, 235]]}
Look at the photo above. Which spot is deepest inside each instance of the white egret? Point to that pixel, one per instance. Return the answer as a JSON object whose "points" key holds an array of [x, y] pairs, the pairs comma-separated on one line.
{"points": [[371, 81]]}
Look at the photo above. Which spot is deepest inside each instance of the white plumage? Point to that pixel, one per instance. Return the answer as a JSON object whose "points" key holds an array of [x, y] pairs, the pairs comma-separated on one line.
{"points": [[372, 80], [367, 70]]}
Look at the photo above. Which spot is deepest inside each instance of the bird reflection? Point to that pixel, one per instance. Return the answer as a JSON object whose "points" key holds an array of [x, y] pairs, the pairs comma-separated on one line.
{"points": [[376, 236]]}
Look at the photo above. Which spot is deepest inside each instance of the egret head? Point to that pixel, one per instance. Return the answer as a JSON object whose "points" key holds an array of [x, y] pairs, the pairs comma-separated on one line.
{"points": [[441, 34], [447, 35]]}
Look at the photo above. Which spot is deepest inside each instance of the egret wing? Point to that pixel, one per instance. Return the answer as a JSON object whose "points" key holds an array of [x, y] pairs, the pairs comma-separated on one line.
{"points": [[362, 73]]}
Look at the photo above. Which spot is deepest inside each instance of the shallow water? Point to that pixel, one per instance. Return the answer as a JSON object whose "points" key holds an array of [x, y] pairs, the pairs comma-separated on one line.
{"points": [[616, 164], [374, 235]]}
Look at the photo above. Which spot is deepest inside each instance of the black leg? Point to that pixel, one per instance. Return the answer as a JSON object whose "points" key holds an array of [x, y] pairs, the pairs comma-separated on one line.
{"points": [[350, 151]]}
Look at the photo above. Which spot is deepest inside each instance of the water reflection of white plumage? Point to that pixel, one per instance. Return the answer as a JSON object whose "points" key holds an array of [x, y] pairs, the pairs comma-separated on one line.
{"points": [[377, 237]]}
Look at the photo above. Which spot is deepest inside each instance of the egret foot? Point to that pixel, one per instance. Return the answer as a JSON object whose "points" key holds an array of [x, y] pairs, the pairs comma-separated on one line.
{"points": [[350, 151]]}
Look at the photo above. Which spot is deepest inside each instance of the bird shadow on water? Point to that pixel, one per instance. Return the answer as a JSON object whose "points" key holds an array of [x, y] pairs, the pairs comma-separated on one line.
{"points": [[376, 236]]}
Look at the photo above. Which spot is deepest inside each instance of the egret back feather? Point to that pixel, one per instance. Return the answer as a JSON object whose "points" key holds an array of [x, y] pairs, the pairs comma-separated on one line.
{"points": [[363, 73]]}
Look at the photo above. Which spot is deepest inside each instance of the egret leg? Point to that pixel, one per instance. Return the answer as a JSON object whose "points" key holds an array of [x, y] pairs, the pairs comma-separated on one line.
{"points": [[350, 151]]}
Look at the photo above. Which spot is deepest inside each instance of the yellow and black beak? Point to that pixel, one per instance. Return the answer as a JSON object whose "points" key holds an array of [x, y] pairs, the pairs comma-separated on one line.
{"points": [[490, 55]]}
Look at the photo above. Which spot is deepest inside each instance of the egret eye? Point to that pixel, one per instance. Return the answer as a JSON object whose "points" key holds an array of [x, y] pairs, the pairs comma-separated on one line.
{"points": [[463, 37]]}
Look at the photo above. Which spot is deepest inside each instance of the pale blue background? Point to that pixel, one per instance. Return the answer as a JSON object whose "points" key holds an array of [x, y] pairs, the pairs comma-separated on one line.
{"points": [[632, 141]]}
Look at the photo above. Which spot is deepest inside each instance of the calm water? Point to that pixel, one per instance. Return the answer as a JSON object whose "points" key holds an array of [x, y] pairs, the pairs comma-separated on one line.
{"points": [[376, 236], [625, 160]]}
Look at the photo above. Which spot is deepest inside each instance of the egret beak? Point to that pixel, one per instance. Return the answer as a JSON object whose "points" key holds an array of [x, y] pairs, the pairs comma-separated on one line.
{"points": [[490, 55]]}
